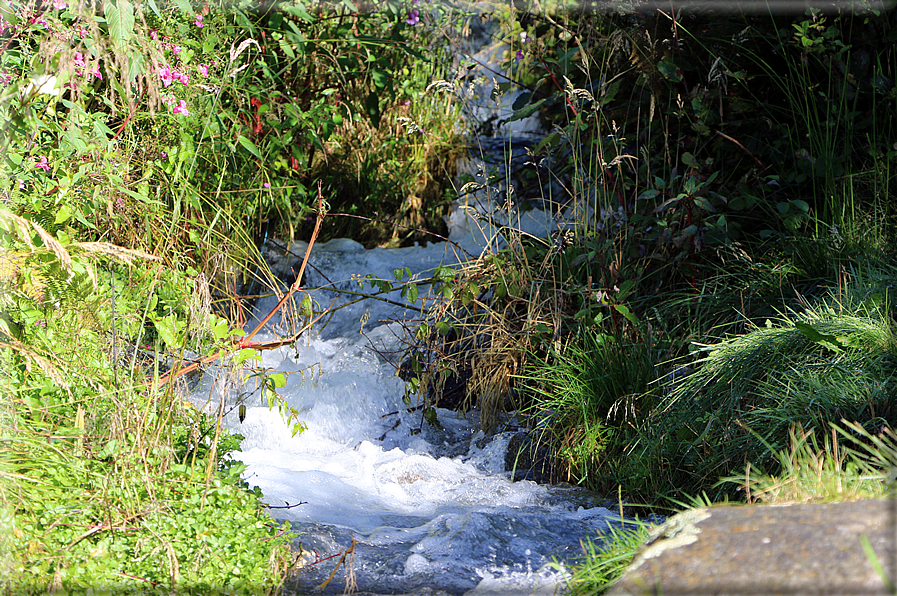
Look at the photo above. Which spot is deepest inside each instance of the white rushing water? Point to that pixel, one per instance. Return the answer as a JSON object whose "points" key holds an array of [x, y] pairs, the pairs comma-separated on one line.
{"points": [[431, 511]]}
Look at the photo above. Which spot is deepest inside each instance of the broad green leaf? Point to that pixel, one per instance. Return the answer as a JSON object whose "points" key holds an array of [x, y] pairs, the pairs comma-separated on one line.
{"points": [[669, 70], [63, 215], [521, 100], [830, 341], [704, 204], [649, 194], [185, 7], [249, 146], [430, 417], [219, 326], [625, 288], [278, 379], [287, 49], [121, 21], [624, 310], [380, 77], [246, 354], [527, 110]]}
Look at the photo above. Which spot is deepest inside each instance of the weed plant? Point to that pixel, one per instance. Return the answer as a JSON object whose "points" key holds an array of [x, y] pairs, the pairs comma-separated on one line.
{"points": [[592, 393], [607, 558]]}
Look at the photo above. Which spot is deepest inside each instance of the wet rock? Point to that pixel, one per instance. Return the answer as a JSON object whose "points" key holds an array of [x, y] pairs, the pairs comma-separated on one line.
{"points": [[530, 459], [796, 550], [282, 258]]}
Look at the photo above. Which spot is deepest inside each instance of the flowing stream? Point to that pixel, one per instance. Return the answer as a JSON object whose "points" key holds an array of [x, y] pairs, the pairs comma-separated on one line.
{"points": [[430, 511]]}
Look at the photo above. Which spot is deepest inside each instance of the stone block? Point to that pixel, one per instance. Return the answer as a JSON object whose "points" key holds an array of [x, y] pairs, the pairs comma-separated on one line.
{"points": [[807, 549]]}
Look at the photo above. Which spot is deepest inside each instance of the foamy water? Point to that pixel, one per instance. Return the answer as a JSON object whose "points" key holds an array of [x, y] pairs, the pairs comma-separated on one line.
{"points": [[427, 509]]}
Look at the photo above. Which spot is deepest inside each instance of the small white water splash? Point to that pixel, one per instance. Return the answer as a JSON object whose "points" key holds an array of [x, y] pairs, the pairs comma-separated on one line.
{"points": [[431, 511]]}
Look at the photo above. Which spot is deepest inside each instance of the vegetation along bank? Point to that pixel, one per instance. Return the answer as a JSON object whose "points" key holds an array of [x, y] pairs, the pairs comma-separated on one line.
{"points": [[719, 299]]}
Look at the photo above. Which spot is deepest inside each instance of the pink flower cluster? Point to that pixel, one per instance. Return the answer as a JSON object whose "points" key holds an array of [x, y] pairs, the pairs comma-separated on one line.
{"points": [[79, 61], [177, 109], [168, 76]]}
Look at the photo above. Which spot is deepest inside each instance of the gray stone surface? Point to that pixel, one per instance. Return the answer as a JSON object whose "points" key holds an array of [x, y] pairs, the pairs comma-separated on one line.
{"points": [[811, 549]]}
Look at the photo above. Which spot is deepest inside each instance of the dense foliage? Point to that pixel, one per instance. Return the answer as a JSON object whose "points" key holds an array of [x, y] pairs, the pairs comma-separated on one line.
{"points": [[711, 174]]}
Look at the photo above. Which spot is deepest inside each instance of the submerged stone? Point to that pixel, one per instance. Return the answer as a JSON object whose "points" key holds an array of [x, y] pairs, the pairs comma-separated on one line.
{"points": [[797, 550]]}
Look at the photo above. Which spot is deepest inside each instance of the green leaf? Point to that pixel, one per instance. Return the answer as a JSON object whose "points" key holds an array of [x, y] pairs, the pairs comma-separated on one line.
{"points": [[380, 77], [305, 307], [287, 49], [625, 288], [430, 417], [246, 354], [220, 327], [444, 274], [185, 7], [63, 215], [412, 293], [704, 204], [526, 111], [624, 310], [298, 10], [121, 21], [830, 341], [279, 380], [521, 100], [443, 328], [169, 329], [372, 108], [249, 146], [155, 9], [669, 70]]}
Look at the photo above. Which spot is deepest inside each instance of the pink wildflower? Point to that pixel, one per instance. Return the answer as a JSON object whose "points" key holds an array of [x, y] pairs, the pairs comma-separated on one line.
{"points": [[79, 58], [5, 77], [21, 184], [183, 78], [166, 75], [176, 49], [198, 21], [96, 72], [42, 164], [154, 35], [204, 70], [181, 109], [59, 4], [267, 185], [83, 32]]}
